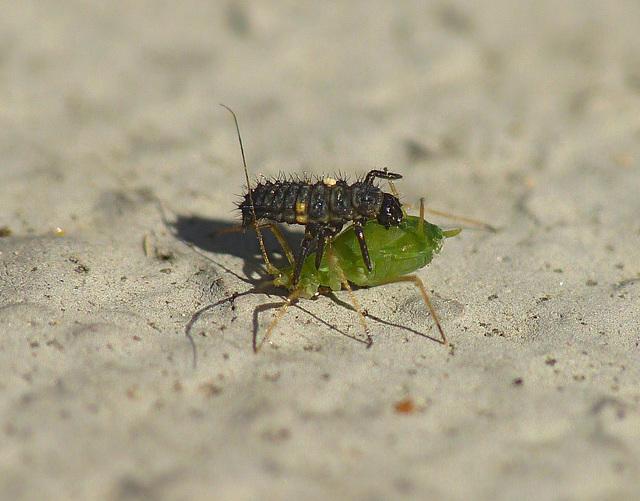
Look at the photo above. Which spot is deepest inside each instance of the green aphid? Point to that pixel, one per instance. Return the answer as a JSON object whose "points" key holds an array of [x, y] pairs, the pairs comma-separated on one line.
{"points": [[395, 254]]}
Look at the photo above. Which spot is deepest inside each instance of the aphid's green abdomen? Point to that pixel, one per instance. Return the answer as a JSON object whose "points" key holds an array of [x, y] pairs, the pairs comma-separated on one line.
{"points": [[404, 250], [394, 252]]}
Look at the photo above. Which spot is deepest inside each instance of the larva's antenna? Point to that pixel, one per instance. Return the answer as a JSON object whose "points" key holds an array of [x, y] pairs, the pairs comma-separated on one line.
{"points": [[244, 161], [270, 269]]}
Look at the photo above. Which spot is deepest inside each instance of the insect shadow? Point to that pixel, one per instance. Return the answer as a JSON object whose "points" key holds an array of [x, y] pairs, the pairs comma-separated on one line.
{"points": [[219, 237]]}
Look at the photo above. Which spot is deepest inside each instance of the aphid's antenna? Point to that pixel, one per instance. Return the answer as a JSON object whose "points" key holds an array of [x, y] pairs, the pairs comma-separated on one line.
{"points": [[270, 268], [468, 220], [448, 215]]}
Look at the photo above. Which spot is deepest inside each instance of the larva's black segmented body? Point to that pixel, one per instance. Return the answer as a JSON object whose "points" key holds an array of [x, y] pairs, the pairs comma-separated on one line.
{"points": [[323, 207]]}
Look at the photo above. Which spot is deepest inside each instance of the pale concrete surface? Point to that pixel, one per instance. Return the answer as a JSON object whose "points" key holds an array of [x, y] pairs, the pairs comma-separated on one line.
{"points": [[522, 114]]}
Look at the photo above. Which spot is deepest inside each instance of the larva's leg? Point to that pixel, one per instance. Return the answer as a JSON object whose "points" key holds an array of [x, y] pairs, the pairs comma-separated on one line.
{"points": [[275, 229], [276, 232]]}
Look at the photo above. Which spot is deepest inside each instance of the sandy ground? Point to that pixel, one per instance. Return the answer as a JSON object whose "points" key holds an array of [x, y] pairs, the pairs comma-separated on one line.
{"points": [[117, 165]]}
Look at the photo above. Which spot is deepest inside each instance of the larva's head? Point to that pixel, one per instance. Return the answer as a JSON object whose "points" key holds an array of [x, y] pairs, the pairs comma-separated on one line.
{"points": [[390, 211]]}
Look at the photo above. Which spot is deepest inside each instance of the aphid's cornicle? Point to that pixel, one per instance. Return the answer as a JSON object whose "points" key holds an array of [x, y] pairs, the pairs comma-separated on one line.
{"points": [[323, 207]]}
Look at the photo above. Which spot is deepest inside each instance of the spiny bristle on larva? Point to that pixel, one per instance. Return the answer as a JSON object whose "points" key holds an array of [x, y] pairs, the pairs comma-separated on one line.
{"points": [[305, 177]]}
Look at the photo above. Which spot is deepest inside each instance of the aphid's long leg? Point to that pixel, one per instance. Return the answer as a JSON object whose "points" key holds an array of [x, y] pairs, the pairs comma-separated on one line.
{"points": [[281, 240], [335, 266], [291, 298], [420, 285], [357, 227]]}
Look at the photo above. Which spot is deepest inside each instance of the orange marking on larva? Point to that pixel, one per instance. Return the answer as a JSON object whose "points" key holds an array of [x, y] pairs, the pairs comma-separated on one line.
{"points": [[301, 213]]}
